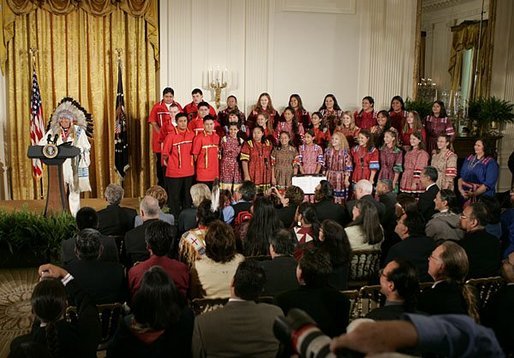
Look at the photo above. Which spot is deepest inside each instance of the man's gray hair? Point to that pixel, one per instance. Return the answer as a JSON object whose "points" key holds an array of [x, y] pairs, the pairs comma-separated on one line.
{"points": [[114, 194], [150, 206], [365, 186]]}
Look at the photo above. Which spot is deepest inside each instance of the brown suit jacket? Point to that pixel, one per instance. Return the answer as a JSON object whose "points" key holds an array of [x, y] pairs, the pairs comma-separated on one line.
{"points": [[240, 329]]}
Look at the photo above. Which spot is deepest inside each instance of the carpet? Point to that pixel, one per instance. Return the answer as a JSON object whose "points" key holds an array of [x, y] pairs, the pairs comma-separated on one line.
{"points": [[16, 287]]}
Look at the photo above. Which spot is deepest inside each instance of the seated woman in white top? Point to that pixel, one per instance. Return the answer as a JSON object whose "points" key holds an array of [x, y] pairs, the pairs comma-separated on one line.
{"points": [[211, 276], [365, 231]]}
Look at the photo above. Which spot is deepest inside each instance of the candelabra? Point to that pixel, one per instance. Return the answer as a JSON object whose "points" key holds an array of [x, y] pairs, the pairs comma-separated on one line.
{"points": [[427, 90], [218, 81]]}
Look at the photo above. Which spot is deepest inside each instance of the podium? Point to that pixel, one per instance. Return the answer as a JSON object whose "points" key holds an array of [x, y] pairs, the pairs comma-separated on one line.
{"points": [[54, 156]]}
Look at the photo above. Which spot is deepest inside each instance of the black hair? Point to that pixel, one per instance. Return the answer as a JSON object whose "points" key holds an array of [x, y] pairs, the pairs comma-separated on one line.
{"points": [[204, 214], [196, 90], [87, 218], [431, 172], [336, 105], [326, 191], [208, 118], [406, 282], [249, 280], [335, 243], [449, 196], [283, 242], [310, 216], [493, 208], [415, 224], [261, 228], [168, 90], [263, 139], [399, 99], [180, 114], [248, 190], [480, 213], [160, 237], [87, 244], [203, 104], [316, 267], [443, 113], [157, 303]]}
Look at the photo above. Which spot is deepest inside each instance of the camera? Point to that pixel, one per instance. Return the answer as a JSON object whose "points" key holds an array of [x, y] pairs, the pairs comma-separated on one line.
{"points": [[299, 332]]}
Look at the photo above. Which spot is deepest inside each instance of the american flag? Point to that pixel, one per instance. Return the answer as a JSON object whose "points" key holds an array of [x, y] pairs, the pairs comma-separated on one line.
{"points": [[121, 160], [37, 128]]}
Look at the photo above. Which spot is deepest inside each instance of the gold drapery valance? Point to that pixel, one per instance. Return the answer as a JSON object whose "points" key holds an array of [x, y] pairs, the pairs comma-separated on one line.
{"points": [[77, 57], [11, 9]]}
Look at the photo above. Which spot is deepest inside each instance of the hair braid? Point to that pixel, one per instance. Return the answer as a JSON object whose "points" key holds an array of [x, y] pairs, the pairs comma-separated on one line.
{"points": [[52, 340]]}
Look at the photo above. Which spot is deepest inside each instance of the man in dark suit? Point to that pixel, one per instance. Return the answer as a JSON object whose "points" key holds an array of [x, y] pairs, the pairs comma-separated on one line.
{"points": [[499, 312], [426, 203], [400, 285], [281, 269], [325, 206], [115, 220], [364, 191], [482, 248], [387, 196], [242, 328], [103, 281], [135, 243], [415, 246], [327, 306], [87, 218]]}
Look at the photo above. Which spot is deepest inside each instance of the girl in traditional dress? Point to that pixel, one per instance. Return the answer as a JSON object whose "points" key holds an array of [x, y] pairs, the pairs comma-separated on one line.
{"points": [[436, 124], [285, 162], [366, 117], [338, 166], [263, 121], [412, 124], [365, 158], [416, 160], [310, 158], [263, 105], [256, 159], [391, 158], [330, 112], [290, 125], [383, 124], [295, 102], [71, 123], [321, 133], [479, 173], [445, 161], [397, 113], [348, 128], [230, 170]]}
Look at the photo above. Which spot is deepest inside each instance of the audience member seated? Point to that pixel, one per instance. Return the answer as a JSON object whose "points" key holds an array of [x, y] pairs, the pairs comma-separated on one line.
{"points": [[307, 231], [493, 226], [445, 224], [115, 220], [365, 231], [261, 228], [192, 242], [448, 266], [387, 196], [444, 335], [281, 269], [334, 242], [87, 218], [426, 203], [291, 200], [363, 191], [103, 281], [415, 246], [160, 194], [243, 199], [399, 283], [187, 217], [325, 206], [507, 220], [159, 237], [210, 276], [482, 248], [135, 243], [160, 323], [50, 329], [327, 306], [242, 328], [499, 312]]}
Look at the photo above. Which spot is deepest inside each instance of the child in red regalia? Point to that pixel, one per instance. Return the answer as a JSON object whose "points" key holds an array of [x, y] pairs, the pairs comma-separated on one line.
{"points": [[365, 158], [206, 153], [230, 167], [367, 117], [256, 159], [321, 133]]}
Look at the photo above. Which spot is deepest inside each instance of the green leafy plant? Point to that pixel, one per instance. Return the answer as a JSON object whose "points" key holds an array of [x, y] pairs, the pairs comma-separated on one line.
{"points": [[487, 110], [28, 238], [424, 108]]}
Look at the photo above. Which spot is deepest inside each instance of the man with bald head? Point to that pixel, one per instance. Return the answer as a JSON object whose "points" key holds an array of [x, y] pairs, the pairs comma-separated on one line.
{"points": [[135, 239]]}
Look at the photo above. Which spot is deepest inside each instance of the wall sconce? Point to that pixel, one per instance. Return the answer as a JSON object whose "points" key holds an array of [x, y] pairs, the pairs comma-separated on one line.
{"points": [[217, 80]]}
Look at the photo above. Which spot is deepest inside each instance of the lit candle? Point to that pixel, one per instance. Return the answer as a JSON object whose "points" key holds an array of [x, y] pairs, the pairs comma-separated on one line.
{"points": [[210, 76]]}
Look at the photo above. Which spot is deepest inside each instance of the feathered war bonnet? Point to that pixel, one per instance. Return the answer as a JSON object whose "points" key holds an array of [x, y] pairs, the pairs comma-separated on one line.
{"points": [[71, 109]]}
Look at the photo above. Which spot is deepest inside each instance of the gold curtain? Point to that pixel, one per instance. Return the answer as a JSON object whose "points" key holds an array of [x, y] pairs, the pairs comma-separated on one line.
{"points": [[465, 37], [76, 57]]}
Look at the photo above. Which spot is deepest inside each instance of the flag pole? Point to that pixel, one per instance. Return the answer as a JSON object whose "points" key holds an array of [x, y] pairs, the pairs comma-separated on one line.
{"points": [[33, 51]]}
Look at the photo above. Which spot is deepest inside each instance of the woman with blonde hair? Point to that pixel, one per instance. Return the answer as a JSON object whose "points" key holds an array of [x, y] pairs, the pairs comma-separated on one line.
{"points": [[339, 166], [348, 127]]}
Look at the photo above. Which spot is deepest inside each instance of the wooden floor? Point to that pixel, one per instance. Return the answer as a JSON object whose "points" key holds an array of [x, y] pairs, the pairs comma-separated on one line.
{"points": [[39, 205]]}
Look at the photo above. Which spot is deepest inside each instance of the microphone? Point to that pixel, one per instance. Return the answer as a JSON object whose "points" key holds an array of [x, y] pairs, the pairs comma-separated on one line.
{"points": [[49, 138], [55, 138]]}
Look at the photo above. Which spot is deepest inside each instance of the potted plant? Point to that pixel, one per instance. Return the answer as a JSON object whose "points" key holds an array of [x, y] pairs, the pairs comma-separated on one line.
{"points": [[490, 114], [424, 108]]}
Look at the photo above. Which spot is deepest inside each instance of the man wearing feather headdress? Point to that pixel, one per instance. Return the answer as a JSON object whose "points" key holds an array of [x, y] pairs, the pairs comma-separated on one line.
{"points": [[72, 124]]}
